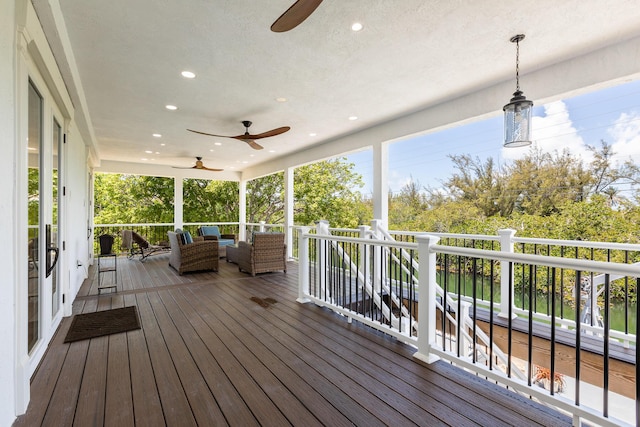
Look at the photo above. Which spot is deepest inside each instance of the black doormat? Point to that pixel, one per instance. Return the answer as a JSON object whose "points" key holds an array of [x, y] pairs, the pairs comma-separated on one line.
{"points": [[92, 325]]}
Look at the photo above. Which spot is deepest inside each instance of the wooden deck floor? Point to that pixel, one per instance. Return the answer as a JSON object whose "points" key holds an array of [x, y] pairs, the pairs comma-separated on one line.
{"points": [[208, 355]]}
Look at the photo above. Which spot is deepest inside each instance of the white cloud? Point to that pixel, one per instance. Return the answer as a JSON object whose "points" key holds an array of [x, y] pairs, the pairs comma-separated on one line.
{"points": [[397, 180], [552, 132], [625, 132]]}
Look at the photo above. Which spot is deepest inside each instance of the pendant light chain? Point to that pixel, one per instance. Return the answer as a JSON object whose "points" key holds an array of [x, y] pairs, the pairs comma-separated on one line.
{"points": [[518, 65]]}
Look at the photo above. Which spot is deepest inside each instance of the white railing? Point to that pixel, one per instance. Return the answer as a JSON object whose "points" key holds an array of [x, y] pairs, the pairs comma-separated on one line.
{"points": [[320, 275]]}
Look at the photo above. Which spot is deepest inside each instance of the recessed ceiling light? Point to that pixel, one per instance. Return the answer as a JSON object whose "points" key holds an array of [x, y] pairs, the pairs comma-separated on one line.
{"points": [[163, 144], [356, 26], [170, 107], [144, 159], [157, 152], [281, 99], [148, 151], [211, 150], [157, 135], [217, 143], [188, 74], [272, 151], [352, 118], [313, 134]]}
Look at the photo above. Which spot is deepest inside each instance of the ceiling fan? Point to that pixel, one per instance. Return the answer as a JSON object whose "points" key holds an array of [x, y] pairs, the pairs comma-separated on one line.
{"points": [[247, 137], [295, 15], [199, 165]]}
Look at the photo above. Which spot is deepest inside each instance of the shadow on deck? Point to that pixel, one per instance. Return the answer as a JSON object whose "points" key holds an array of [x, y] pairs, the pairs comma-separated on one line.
{"points": [[207, 354]]}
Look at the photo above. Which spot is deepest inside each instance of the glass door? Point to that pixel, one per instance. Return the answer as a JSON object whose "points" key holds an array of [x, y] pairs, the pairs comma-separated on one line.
{"points": [[44, 148], [34, 150]]}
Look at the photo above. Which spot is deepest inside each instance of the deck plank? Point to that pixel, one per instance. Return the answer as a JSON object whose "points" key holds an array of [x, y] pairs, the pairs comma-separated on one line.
{"points": [[144, 388], [91, 399], [415, 375], [255, 358], [208, 355], [229, 400], [175, 404], [204, 407], [411, 403]]}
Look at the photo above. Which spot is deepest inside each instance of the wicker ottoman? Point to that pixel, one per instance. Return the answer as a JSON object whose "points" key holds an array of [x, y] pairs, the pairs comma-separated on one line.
{"points": [[232, 253]]}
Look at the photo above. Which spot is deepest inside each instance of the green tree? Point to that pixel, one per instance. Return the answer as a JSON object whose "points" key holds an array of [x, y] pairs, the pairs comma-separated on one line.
{"points": [[209, 200], [322, 190], [542, 182], [123, 198], [325, 190], [483, 185]]}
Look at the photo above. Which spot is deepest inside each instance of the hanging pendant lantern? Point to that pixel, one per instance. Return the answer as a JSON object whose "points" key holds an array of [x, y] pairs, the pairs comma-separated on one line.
{"points": [[517, 113]]}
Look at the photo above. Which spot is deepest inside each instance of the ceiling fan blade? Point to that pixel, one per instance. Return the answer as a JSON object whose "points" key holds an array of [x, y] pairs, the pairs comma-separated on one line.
{"points": [[209, 134], [251, 142], [269, 133], [209, 169], [295, 15], [199, 164]]}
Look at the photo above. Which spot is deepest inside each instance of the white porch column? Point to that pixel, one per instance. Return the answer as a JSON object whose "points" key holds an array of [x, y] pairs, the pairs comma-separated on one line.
{"points": [[427, 298], [242, 210], [288, 210], [178, 200], [506, 285], [381, 182]]}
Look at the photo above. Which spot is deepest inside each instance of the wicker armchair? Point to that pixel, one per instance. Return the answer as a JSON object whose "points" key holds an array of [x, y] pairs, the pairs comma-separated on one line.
{"points": [[196, 256], [268, 252], [212, 232]]}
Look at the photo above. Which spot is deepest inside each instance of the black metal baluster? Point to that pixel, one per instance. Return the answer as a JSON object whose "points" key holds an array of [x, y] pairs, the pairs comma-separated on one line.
{"points": [[530, 332], [474, 293], [510, 323], [561, 285], [578, 336], [626, 297], [444, 300], [491, 300], [605, 387], [523, 290], [459, 319], [548, 279], [553, 330], [637, 358]]}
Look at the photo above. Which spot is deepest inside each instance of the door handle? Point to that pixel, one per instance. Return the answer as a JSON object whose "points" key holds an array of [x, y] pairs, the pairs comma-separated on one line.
{"points": [[55, 259], [50, 248]]}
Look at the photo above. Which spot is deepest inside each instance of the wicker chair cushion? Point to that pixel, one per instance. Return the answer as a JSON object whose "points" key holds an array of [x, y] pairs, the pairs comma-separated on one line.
{"points": [[212, 232]]}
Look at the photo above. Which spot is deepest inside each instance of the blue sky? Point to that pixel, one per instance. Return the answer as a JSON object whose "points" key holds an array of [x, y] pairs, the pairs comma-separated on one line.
{"points": [[611, 114]]}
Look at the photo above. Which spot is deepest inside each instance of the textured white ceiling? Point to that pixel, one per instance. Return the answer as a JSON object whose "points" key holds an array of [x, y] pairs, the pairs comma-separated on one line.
{"points": [[411, 54]]}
